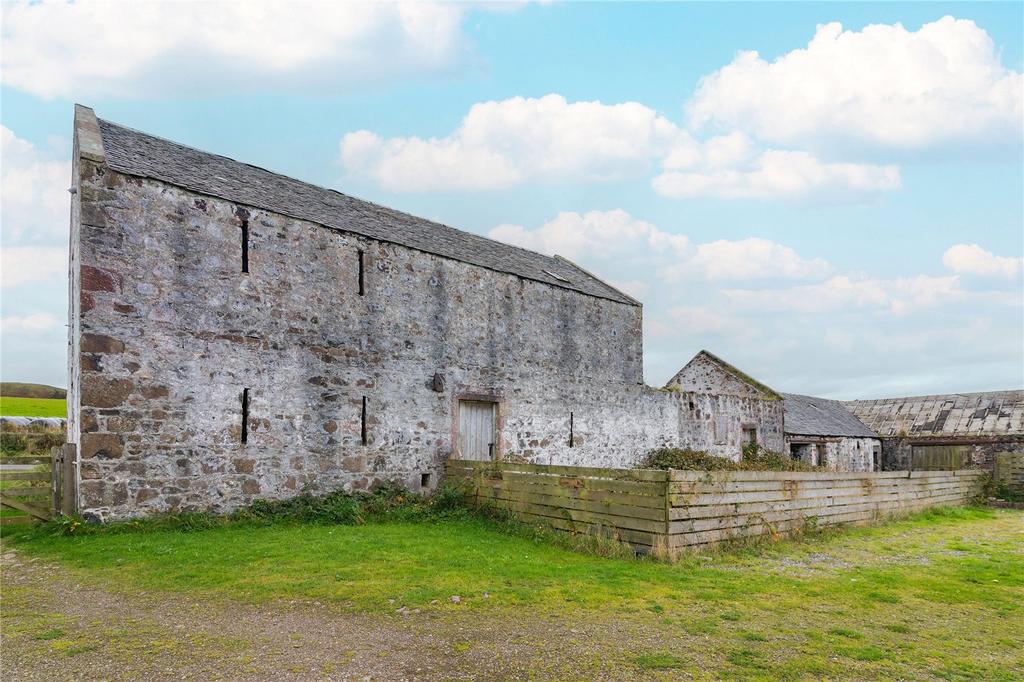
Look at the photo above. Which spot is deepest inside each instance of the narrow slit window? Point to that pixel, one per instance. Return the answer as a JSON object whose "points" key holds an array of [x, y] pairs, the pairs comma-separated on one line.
{"points": [[362, 271], [245, 245], [362, 425], [572, 428], [245, 415]]}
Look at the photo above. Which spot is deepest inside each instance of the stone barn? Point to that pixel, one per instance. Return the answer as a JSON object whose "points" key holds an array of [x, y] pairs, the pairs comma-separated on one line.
{"points": [[235, 334], [945, 431], [823, 432]]}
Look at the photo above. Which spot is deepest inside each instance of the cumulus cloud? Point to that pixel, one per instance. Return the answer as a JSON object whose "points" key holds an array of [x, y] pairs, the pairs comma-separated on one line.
{"points": [[30, 325], [884, 84], [505, 143], [971, 259], [900, 296], [129, 49], [33, 191], [615, 239], [600, 235], [753, 258], [697, 319], [21, 265], [500, 144], [780, 174]]}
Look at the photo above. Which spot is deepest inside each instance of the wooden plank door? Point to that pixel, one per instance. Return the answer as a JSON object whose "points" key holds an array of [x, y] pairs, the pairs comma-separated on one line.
{"points": [[477, 427]]}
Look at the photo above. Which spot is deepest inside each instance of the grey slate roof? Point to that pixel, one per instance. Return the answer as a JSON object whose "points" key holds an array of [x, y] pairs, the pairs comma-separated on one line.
{"points": [[960, 415], [809, 416], [134, 153]]}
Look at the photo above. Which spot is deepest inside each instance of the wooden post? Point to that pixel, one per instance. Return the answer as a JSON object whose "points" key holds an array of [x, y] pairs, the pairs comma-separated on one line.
{"points": [[69, 477], [56, 469]]}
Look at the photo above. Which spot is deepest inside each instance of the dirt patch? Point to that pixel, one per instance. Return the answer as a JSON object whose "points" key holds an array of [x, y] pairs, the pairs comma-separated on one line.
{"points": [[56, 629]]}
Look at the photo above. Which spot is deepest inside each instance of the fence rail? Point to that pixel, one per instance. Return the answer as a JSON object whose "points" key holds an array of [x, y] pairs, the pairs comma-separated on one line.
{"points": [[668, 512]]}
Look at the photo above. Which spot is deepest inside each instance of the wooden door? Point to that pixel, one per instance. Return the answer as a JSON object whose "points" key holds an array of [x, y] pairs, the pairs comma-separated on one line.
{"points": [[477, 428], [939, 457]]}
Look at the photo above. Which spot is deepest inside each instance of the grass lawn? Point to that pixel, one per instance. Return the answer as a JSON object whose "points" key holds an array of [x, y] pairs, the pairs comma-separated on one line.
{"points": [[937, 596], [33, 407]]}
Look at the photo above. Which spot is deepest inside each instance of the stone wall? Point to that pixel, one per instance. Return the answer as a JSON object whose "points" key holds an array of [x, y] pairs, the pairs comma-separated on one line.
{"points": [[168, 333], [835, 453], [720, 424]]}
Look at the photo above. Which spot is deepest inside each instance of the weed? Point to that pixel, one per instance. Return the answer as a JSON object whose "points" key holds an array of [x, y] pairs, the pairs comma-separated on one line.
{"points": [[745, 658], [659, 661], [754, 458], [49, 634], [842, 632]]}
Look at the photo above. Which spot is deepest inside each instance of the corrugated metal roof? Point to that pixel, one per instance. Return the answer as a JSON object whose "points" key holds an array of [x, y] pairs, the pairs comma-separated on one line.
{"points": [[995, 413], [809, 416], [134, 153]]}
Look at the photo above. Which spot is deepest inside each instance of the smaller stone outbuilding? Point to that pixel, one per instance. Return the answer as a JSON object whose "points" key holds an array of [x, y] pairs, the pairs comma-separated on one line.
{"points": [[727, 408], [824, 433]]}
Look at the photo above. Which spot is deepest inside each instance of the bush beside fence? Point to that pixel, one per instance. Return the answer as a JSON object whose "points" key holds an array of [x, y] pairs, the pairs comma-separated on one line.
{"points": [[668, 512]]}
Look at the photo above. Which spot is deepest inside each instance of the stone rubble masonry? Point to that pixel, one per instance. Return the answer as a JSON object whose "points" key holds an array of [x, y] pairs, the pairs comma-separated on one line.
{"points": [[166, 332], [838, 453]]}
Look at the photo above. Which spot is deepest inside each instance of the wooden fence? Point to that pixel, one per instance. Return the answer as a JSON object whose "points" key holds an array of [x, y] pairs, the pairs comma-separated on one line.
{"points": [[1009, 469], [37, 487], [668, 512]]}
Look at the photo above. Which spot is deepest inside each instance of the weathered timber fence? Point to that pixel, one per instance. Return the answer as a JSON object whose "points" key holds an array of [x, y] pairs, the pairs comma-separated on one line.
{"points": [[1009, 469], [669, 512], [29, 488], [37, 487]]}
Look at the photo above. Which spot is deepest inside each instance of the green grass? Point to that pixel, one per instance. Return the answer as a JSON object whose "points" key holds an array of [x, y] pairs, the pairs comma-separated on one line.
{"points": [[937, 596], [33, 407]]}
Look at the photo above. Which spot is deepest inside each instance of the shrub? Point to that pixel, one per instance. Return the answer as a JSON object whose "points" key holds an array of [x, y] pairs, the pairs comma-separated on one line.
{"points": [[386, 503], [29, 440], [754, 458]]}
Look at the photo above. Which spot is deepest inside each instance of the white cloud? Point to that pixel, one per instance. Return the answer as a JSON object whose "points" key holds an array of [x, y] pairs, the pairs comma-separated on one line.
{"points": [[899, 296], [753, 258], [971, 259], [597, 235], [886, 85], [500, 144], [781, 174], [30, 325], [519, 140], [27, 264], [696, 319], [616, 241], [34, 201], [93, 48]]}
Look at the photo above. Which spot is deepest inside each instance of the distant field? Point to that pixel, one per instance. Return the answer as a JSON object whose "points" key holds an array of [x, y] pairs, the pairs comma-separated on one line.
{"points": [[32, 407], [19, 389]]}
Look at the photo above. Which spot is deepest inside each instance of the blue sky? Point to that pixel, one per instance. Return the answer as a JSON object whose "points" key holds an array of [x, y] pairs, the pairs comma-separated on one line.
{"points": [[843, 217]]}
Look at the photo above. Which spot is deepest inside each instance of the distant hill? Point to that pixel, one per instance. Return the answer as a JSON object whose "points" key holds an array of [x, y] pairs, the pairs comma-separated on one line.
{"points": [[15, 389]]}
